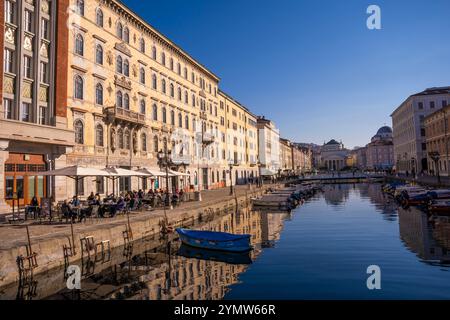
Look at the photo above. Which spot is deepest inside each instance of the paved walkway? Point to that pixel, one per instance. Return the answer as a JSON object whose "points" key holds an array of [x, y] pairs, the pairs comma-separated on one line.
{"points": [[425, 179], [15, 235]]}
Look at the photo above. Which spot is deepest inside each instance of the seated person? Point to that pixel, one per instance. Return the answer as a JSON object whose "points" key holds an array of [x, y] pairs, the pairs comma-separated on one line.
{"points": [[33, 207], [91, 197], [120, 205], [75, 202], [67, 211]]}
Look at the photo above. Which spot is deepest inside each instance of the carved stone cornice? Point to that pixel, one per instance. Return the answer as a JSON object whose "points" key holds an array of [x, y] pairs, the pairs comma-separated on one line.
{"points": [[122, 47], [122, 82]]}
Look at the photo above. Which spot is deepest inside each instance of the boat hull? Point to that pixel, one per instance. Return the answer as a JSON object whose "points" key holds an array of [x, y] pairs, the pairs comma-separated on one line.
{"points": [[241, 244]]}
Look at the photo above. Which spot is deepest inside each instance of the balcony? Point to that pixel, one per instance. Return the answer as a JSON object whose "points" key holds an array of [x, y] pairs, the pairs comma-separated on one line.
{"points": [[122, 115], [181, 159]]}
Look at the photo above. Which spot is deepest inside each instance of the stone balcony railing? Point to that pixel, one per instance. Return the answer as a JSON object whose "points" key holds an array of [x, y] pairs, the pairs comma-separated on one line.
{"points": [[125, 115], [181, 159]]}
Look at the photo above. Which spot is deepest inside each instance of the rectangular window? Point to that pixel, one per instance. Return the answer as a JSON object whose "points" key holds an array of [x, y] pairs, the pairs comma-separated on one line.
{"points": [[26, 107], [28, 21], [100, 185], [27, 64], [424, 146], [8, 61], [7, 104], [422, 132], [420, 105], [431, 104], [444, 103], [44, 72], [42, 114], [80, 185], [9, 11], [45, 29]]}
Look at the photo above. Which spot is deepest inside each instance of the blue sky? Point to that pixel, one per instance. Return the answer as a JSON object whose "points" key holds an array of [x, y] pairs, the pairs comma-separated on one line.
{"points": [[313, 66]]}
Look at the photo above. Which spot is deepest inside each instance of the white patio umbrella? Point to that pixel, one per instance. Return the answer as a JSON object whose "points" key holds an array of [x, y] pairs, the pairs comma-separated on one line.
{"points": [[156, 172], [75, 172]]}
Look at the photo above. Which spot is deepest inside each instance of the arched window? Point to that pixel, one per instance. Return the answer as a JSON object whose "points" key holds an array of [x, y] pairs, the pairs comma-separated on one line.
{"points": [[79, 44], [79, 131], [193, 124], [179, 68], [224, 175], [154, 53], [192, 77], [78, 90], [171, 63], [99, 54], [99, 17], [155, 112], [186, 122], [163, 58], [180, 120], [142, 106], [142, 75], [126, 139], [163, 86], [172, 117], [126, 101], [119, 30], [126, 68], [80, 7], [155, 143], [119, 100], [142, 45], [193, 100], [179, 93], [120, 138], [126, 35], [165, 144], [164, 115], [99, 135], [185, 73], [119, 65], [143, 142], [99, 94], [186, 97], [172, 90], [154, 82]]}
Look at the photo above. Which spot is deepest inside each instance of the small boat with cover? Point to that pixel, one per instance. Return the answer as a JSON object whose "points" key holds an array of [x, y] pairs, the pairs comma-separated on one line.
{"points": [[214, 240]]}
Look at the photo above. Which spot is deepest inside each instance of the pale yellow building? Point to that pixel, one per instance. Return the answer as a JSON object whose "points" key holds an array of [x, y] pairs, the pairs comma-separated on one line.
{"points": [[131, 92]]}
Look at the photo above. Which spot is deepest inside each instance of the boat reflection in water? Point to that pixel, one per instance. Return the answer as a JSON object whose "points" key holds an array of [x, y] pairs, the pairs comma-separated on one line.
{"points": [[219, 256]]}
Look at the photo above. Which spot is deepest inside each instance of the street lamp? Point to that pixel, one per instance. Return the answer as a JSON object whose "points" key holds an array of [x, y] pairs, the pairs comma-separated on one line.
{"points": [[435, 156], [164, 159], [413, 167], [260, 180], [231, 163]]}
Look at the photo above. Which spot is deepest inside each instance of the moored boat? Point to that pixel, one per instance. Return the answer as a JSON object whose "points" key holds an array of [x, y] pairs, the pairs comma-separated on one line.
{"points": [[439, 206], [214, 240]]}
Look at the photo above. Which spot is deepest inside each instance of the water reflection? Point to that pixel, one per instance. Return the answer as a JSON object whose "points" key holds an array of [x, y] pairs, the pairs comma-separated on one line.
{"points": [[336, 195], [383, 203], [428, 237]]}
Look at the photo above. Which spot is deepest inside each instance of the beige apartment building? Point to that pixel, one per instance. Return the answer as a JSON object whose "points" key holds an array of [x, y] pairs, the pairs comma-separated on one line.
{"points": [[131, 93], [241, 141]]}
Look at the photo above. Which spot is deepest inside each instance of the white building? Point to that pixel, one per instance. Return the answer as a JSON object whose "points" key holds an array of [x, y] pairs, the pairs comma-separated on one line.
{"points": [[410, 152], [333, 155], [269, 147]]}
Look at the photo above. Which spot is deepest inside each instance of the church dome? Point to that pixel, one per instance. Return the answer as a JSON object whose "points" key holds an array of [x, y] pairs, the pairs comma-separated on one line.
{"points": [[384, 130], [331, 142]]}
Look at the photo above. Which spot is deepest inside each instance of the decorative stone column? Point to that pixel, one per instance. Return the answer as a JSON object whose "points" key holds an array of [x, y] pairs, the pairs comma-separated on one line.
{"points": [[4, 155]]}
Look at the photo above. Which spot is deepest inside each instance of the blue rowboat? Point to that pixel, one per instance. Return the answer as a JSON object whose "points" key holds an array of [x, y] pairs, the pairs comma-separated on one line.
{"points": [[215, 240], [215, 255]]}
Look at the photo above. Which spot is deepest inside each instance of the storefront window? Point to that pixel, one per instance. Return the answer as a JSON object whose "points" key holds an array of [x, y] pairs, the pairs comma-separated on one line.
{"points": [[9, 187], [19, 187], [31, 190]]}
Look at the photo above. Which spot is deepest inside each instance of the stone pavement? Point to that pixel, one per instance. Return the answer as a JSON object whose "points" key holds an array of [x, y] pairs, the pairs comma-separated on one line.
{"points": [[13, 235]]}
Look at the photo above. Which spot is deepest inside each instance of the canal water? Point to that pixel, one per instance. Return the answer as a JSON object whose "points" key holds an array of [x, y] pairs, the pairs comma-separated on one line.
{"points": [[321, 250]]}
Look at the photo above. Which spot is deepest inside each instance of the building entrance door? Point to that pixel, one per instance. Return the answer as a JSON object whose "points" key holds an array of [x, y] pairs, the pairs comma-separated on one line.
{"points": [[22, 180], [205, 178]]}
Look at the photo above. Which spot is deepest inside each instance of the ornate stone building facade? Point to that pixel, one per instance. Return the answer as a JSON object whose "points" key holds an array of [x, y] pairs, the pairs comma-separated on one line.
{"points": [[131, 93], [34, 135]]}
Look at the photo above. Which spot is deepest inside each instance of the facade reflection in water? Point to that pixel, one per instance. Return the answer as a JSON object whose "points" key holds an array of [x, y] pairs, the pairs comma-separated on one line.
{"points": [[427, 236], [156, 275]]}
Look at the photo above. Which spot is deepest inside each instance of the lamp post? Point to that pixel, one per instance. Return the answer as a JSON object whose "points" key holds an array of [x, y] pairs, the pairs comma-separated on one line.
{"points": [[231, 163], [260, 180], [435, 156], [413, 167], [164, 160]]}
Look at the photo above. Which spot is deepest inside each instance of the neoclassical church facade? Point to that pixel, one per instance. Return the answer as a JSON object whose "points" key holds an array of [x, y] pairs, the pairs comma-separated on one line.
{"points": [[333, 155]]}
